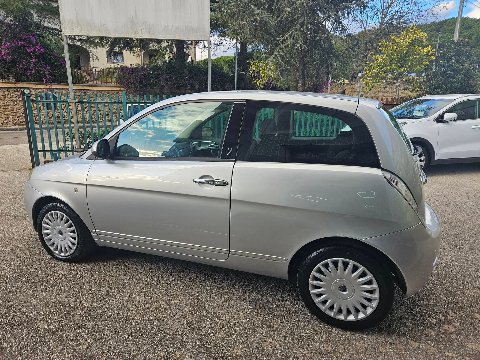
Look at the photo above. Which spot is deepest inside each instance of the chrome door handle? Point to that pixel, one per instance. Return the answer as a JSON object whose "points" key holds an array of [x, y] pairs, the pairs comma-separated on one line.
{"points": [[208, 181], [476, 127]]}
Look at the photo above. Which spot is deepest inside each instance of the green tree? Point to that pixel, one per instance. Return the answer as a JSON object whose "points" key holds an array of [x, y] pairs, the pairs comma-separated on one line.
{"points": [[249, 22], [402, 58], [455, 69]]}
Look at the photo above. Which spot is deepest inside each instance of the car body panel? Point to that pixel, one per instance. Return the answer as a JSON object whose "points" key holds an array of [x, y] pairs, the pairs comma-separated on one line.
{"points": [[64, 180], [273, 210], [314, 196], [165, 209]]}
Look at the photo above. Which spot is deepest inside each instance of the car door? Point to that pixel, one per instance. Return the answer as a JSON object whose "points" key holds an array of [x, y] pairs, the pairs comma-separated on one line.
{"points": [[461, 138], [166, 188]]}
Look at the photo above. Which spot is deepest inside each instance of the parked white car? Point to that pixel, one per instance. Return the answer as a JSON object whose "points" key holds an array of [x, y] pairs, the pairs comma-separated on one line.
{"points": [[442, 128]]}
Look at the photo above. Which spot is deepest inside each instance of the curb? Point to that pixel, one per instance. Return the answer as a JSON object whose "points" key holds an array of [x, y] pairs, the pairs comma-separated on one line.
{"points": [[13, 128]]}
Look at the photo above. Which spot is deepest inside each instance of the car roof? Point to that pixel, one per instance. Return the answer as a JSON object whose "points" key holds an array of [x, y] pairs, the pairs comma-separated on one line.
{"points": [[448, 96], [307, 98]]}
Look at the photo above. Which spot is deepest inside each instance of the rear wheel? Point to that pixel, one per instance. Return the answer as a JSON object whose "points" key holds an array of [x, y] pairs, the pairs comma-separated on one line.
{"points": [[345, 287], [63, 234], [422, 153]]}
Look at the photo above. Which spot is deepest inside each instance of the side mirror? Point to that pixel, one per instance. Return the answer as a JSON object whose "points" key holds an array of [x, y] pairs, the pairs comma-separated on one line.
{"points": [[447, 117], [101, 149]]}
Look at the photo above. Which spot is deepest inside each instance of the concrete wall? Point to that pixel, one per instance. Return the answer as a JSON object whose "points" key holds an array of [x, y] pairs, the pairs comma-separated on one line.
{"points": [[11, 107]]}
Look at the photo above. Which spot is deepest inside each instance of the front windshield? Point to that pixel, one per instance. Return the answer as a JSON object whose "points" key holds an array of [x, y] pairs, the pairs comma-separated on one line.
{"points": [[419, 108]]}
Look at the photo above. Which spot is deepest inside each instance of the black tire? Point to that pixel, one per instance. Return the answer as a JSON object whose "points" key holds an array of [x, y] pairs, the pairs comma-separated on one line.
{"points": [[422, 153], [382, 280], [84, 241]]}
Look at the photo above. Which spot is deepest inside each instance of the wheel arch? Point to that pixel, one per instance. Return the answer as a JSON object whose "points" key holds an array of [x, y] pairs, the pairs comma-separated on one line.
{"points": [[428, 145], [312, 246], [40, 203]]}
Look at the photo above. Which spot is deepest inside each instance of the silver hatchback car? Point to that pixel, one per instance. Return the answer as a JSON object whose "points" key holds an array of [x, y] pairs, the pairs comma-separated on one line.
{"points": [[322, 190]]}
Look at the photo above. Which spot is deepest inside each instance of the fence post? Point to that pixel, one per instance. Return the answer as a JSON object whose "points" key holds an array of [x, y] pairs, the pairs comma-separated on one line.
{"points": [[30, 126], [124, 103]]}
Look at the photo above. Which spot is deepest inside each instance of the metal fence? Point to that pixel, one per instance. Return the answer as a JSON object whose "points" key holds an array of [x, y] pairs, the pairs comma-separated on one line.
{"points": [[58, 127]]}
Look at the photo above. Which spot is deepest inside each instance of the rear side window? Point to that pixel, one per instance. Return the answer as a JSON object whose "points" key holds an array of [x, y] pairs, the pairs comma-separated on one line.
{"points": [[276, 132], [465, 110]]}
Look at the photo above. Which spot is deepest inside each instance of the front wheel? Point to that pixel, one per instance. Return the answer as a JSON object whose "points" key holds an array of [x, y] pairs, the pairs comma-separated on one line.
{"points": [[345, 288], [63, 234]]}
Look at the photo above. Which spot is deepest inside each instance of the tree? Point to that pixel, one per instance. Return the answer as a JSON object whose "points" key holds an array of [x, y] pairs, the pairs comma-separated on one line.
{"points": [[376, 21], [455, 69], [26, 56], [302, 46], [402, 58], [249, 22]]}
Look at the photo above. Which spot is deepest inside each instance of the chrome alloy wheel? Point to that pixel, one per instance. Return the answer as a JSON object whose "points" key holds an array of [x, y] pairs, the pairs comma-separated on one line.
{"points": [[344, 289], [59, 233]]}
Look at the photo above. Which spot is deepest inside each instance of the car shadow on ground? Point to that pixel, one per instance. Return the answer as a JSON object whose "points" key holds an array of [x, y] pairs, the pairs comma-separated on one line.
{"points": [[449, 169], [408, 316]]}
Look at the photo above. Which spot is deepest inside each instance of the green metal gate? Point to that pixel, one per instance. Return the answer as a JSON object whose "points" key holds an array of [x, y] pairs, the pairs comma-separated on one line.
{"points": [[58, 127]]}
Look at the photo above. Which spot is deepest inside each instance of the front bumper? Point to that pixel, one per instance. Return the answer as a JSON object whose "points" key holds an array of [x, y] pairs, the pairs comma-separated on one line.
{"points": [[414, 251]]}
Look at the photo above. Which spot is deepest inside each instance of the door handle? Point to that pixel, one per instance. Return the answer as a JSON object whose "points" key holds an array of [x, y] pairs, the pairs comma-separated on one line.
{"points": [[210, 181], [476, 127]]}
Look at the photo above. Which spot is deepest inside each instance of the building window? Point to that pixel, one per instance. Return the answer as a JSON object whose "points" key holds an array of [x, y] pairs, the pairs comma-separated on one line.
{"points": [[115, 57]]}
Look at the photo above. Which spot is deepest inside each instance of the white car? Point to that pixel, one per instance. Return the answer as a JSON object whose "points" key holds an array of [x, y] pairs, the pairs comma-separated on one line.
{"points": [[442, 128]]}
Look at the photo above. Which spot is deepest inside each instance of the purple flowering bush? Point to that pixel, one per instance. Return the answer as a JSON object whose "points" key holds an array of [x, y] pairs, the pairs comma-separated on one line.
{"points": [[26, 56]]}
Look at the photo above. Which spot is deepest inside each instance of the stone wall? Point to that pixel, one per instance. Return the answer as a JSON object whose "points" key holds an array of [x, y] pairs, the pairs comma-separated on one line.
{"points": [[11, 107]]}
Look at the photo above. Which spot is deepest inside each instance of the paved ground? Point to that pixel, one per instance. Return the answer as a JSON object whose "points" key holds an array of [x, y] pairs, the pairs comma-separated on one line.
{"points": [[13, 137], [126, 305]]}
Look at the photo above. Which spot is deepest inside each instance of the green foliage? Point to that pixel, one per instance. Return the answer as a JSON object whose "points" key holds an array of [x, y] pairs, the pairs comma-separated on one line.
{"points": [[455, 69], [172, 78], [263, 74], [403, 58], [442, 31]]}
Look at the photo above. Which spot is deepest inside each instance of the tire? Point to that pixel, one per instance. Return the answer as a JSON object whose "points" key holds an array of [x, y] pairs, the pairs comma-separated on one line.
{"points": [[422, 153], [338, 299], [63, 234]]}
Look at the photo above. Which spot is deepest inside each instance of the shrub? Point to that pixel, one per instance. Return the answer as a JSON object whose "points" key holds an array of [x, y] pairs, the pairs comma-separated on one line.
{"points": [[172, 79]]}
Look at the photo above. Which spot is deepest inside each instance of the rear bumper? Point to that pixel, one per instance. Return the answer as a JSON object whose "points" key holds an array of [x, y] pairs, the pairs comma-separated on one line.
{"points": [[414, 251]]}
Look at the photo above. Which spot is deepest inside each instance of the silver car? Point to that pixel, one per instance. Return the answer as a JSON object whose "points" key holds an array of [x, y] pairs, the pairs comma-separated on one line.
{"points": [[321, 190]]}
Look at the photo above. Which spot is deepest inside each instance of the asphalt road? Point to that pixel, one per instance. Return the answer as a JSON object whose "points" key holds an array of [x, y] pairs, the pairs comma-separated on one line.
{"points": [[125, 305]]}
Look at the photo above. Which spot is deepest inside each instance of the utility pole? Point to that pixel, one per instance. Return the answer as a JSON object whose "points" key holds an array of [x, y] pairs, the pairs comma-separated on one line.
{"points": [[459, 20]]}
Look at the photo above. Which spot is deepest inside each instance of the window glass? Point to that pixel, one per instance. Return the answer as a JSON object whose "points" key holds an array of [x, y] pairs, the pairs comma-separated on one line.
{"points": [[399, 129], [185, 130], [465, 110], [290, 133], [419, 108]]}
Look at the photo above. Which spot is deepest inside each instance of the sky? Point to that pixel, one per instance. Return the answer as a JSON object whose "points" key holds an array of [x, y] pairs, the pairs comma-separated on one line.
{"points": [[448, 9], [445, 9]]}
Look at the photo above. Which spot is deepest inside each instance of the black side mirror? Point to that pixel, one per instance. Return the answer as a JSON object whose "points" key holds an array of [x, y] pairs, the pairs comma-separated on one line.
{"points": [[101, 149]]}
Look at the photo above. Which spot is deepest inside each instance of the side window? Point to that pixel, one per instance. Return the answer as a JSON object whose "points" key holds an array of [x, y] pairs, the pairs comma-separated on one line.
{"points": [[300, 134], [179, 131], [465, 110]]}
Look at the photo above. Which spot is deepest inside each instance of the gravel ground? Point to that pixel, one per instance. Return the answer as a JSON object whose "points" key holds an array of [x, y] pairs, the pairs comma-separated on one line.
{"points": [[127, 305]]}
